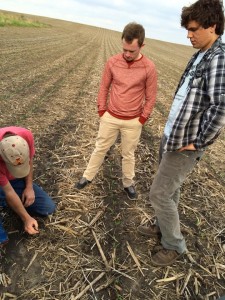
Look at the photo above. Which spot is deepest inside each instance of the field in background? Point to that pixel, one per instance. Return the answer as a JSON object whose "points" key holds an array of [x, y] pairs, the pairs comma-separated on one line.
{"points": [[7, 19], [49, 81]]}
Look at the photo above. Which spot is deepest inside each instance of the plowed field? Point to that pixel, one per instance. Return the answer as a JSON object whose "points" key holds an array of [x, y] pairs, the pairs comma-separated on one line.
{"points": [[90, 249]]}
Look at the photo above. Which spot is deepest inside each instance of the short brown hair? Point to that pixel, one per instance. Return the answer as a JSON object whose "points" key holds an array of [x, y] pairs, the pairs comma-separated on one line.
{"points": [[134, 31], [206, 12]]}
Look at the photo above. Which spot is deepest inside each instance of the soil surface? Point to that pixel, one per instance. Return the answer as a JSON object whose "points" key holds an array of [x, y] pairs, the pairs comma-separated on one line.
{"points": [[90, 248]]}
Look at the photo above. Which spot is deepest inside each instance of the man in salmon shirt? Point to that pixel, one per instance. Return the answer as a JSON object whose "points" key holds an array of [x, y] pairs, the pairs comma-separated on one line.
{"points": [[126, 99], [17, 189]]}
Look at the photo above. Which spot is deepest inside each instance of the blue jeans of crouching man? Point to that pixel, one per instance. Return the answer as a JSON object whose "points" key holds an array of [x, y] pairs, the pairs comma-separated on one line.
{"points": [[165, 193], [42, 206]]}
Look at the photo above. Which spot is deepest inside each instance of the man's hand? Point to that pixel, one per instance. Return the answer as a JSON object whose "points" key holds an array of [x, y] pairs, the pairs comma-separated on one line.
{"points": [[31, 226], [188, 147], [13, 200], [28, 197]]}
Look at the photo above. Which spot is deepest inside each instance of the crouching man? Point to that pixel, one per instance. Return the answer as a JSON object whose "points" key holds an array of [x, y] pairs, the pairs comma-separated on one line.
{"points": [[17, 189]]}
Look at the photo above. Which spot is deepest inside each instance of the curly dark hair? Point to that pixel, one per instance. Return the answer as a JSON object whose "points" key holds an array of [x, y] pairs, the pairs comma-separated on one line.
{"points": [[134, 31], [206, 12]]}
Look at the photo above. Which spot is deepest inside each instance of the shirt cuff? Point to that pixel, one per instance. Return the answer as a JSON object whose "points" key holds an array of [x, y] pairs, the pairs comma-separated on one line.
{"points": [[101, 112], [142, 120]]}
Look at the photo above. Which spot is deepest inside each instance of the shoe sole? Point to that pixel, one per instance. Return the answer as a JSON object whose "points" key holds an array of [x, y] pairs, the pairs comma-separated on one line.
{"points": [[135, 198], [81, 187]]}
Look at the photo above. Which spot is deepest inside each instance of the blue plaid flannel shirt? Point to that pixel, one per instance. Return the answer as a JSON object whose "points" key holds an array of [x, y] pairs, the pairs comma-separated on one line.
{"points": [[202, 115]]}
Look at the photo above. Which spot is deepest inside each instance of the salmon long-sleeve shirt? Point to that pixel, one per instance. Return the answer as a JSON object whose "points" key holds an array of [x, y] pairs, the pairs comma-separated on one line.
{"points": [[128, 89]]}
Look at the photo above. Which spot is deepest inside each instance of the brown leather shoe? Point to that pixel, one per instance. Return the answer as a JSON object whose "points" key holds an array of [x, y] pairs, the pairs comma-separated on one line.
{"points": [[165, 257], [151, 231]]}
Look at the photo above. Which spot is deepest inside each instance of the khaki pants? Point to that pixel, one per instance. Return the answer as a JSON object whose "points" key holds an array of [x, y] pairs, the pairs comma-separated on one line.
{"points": [[109, 129]]}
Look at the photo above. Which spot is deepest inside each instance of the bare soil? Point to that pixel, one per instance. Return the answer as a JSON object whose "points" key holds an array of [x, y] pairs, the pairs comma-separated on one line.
{"points": [[90, 249]]}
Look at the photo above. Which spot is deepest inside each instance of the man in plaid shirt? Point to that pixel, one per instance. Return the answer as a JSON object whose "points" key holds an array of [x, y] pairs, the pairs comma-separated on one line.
{"points": [[196, 118]]}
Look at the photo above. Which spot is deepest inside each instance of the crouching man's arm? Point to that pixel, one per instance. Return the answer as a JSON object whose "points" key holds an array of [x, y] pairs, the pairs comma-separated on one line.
{"points": [[13, 200], [28, 195]]}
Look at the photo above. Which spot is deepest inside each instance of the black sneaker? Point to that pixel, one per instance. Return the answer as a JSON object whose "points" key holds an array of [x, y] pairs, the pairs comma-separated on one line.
{"points": [[131, 193], [82, 183]]}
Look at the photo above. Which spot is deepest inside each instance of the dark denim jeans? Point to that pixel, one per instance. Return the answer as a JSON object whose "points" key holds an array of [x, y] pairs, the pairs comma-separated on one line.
{"points": [[43, 204]]}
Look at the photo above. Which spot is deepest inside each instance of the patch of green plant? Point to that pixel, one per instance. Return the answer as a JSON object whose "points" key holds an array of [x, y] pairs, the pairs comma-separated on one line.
{"points": [[19, 21], [117, 222]]}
